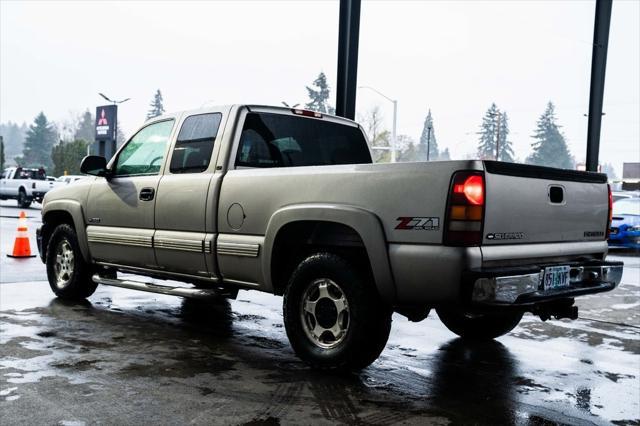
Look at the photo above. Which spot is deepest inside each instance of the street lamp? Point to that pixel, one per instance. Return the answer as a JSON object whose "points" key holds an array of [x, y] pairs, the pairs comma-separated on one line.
{"points": [[395, 119], [113, 102]]}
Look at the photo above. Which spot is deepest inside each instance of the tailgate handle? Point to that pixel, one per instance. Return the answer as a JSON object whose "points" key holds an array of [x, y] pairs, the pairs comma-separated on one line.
{"points": [[556, 194]]}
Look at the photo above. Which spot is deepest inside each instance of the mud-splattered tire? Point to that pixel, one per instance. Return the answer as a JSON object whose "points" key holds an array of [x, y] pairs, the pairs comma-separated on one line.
{"points": [[479, 326], [325, 289], [23, 201], [68, 274]]}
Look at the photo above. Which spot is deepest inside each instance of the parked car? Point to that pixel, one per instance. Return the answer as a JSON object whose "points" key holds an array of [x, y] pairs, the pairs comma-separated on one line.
{"points": [[25, 185], [625, 224], [288, 202], [620, 195]]}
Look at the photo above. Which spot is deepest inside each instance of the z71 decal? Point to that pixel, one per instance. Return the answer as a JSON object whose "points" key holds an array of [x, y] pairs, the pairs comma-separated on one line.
{"points": [[419, 223]]}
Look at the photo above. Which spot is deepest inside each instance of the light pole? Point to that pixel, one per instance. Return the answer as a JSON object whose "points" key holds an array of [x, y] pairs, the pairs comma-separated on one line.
{"points": [[395, 120], [428, 142]]}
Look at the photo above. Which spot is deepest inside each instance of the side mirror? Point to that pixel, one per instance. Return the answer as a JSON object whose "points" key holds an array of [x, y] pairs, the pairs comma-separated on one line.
{"points": [[94, 165]]}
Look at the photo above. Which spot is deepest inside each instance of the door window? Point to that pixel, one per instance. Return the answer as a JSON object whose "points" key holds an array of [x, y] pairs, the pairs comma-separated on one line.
{"points": [[144, 154], [194, 145]]}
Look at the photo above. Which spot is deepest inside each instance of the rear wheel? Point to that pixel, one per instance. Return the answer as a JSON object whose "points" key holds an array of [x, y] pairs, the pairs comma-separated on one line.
{"points": [[68, 274], [23, 201], [473, 326], [333, 318]]}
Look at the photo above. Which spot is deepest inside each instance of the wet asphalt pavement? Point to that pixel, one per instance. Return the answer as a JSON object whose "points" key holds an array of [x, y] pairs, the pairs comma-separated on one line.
{"points": [[126, 357]]}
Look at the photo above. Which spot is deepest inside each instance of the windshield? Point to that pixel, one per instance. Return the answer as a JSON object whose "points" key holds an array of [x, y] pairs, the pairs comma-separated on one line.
{"points": [[629, 206]]}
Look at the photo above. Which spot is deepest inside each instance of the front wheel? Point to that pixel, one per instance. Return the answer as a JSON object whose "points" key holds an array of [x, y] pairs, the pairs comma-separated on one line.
{"points": [[23, 201], [473, 326], [68, 273], [333, 318]]}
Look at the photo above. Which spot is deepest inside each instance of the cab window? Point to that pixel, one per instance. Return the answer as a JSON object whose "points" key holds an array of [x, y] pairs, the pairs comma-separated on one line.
{"points": [[144, 154], [192, 152], [279, 140]]}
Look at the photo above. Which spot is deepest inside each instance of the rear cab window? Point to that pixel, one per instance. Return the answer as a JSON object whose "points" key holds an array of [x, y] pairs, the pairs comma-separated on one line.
{"points": [[279, 140]]}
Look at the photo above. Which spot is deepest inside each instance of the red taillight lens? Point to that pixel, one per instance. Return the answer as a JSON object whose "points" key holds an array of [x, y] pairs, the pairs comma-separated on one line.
{"points": [[465, 210], [473, 189]]}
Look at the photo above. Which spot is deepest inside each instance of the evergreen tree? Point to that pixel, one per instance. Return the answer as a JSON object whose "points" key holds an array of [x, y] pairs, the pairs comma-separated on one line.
{"points": [[494, 136], [1, 153], [85, 129], [13, 136], [549, 148], [428, 141], [156, 107], [67, 156], [488, 132], [505, 145], [445, 155], [319, 96], [41, 137]]}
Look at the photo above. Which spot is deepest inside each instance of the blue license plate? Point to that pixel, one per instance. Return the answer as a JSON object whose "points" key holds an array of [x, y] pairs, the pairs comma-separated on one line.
{"points": [[556, 277]]}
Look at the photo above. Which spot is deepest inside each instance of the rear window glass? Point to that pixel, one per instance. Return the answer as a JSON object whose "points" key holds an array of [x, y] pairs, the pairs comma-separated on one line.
{"points": [[37, 174], [194, 145], [277, 140]]}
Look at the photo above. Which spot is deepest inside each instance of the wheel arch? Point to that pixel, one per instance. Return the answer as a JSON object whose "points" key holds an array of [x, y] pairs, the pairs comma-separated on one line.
{"points": [[341, 226], [57, 212]]}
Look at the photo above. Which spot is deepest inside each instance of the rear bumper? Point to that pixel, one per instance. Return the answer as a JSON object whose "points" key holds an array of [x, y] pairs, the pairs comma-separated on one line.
{"points": [[523, 286], [38, 195]]}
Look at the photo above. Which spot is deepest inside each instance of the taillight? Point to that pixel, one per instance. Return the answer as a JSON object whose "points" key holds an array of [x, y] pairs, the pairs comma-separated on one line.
{"points": [[465, 210], [610, 217]]}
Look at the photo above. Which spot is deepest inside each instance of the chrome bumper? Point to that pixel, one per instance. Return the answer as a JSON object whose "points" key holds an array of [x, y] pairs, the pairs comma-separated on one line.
{"points": [[528, 288]]}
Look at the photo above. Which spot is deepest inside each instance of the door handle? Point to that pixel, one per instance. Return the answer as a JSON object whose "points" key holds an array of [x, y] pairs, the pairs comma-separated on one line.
{"points": [[146, 194]]}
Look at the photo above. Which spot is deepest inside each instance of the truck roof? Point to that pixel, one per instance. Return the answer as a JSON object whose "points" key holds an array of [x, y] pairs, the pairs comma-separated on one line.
{"points": [[252, 107]]}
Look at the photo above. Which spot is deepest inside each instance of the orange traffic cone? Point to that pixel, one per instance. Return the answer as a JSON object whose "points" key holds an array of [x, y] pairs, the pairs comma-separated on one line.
{"points": [[21, 247]]}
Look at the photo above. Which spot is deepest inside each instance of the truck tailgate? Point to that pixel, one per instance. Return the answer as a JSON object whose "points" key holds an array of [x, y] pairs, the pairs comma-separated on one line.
{"points": [[531, 204]]}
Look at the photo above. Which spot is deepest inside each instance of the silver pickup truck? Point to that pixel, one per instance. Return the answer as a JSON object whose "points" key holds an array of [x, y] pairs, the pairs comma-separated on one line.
{"points": [[286, 201]]}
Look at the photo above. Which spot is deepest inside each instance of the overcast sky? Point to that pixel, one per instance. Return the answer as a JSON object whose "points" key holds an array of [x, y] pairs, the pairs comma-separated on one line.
{"points": [[453, 57]]}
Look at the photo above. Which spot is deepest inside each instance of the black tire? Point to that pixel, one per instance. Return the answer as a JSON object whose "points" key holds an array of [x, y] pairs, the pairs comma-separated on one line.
{"points": [[75, 282], [368, 318], [23, 201], [479, 326]]}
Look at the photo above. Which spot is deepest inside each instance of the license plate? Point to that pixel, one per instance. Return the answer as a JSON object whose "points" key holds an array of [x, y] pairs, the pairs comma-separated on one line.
{"points": [[556, 277]]}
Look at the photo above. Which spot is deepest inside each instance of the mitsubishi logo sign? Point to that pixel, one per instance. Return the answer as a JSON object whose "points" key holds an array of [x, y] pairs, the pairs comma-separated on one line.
{"points": [[106, 118]]}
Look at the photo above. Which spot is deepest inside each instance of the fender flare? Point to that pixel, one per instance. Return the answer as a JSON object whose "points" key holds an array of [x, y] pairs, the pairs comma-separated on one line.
{"points": [[74, 208], [365, 223]]}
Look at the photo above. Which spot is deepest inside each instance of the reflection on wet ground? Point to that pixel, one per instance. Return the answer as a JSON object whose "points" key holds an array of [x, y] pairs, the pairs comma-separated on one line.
{"points": [[128, 357]]}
